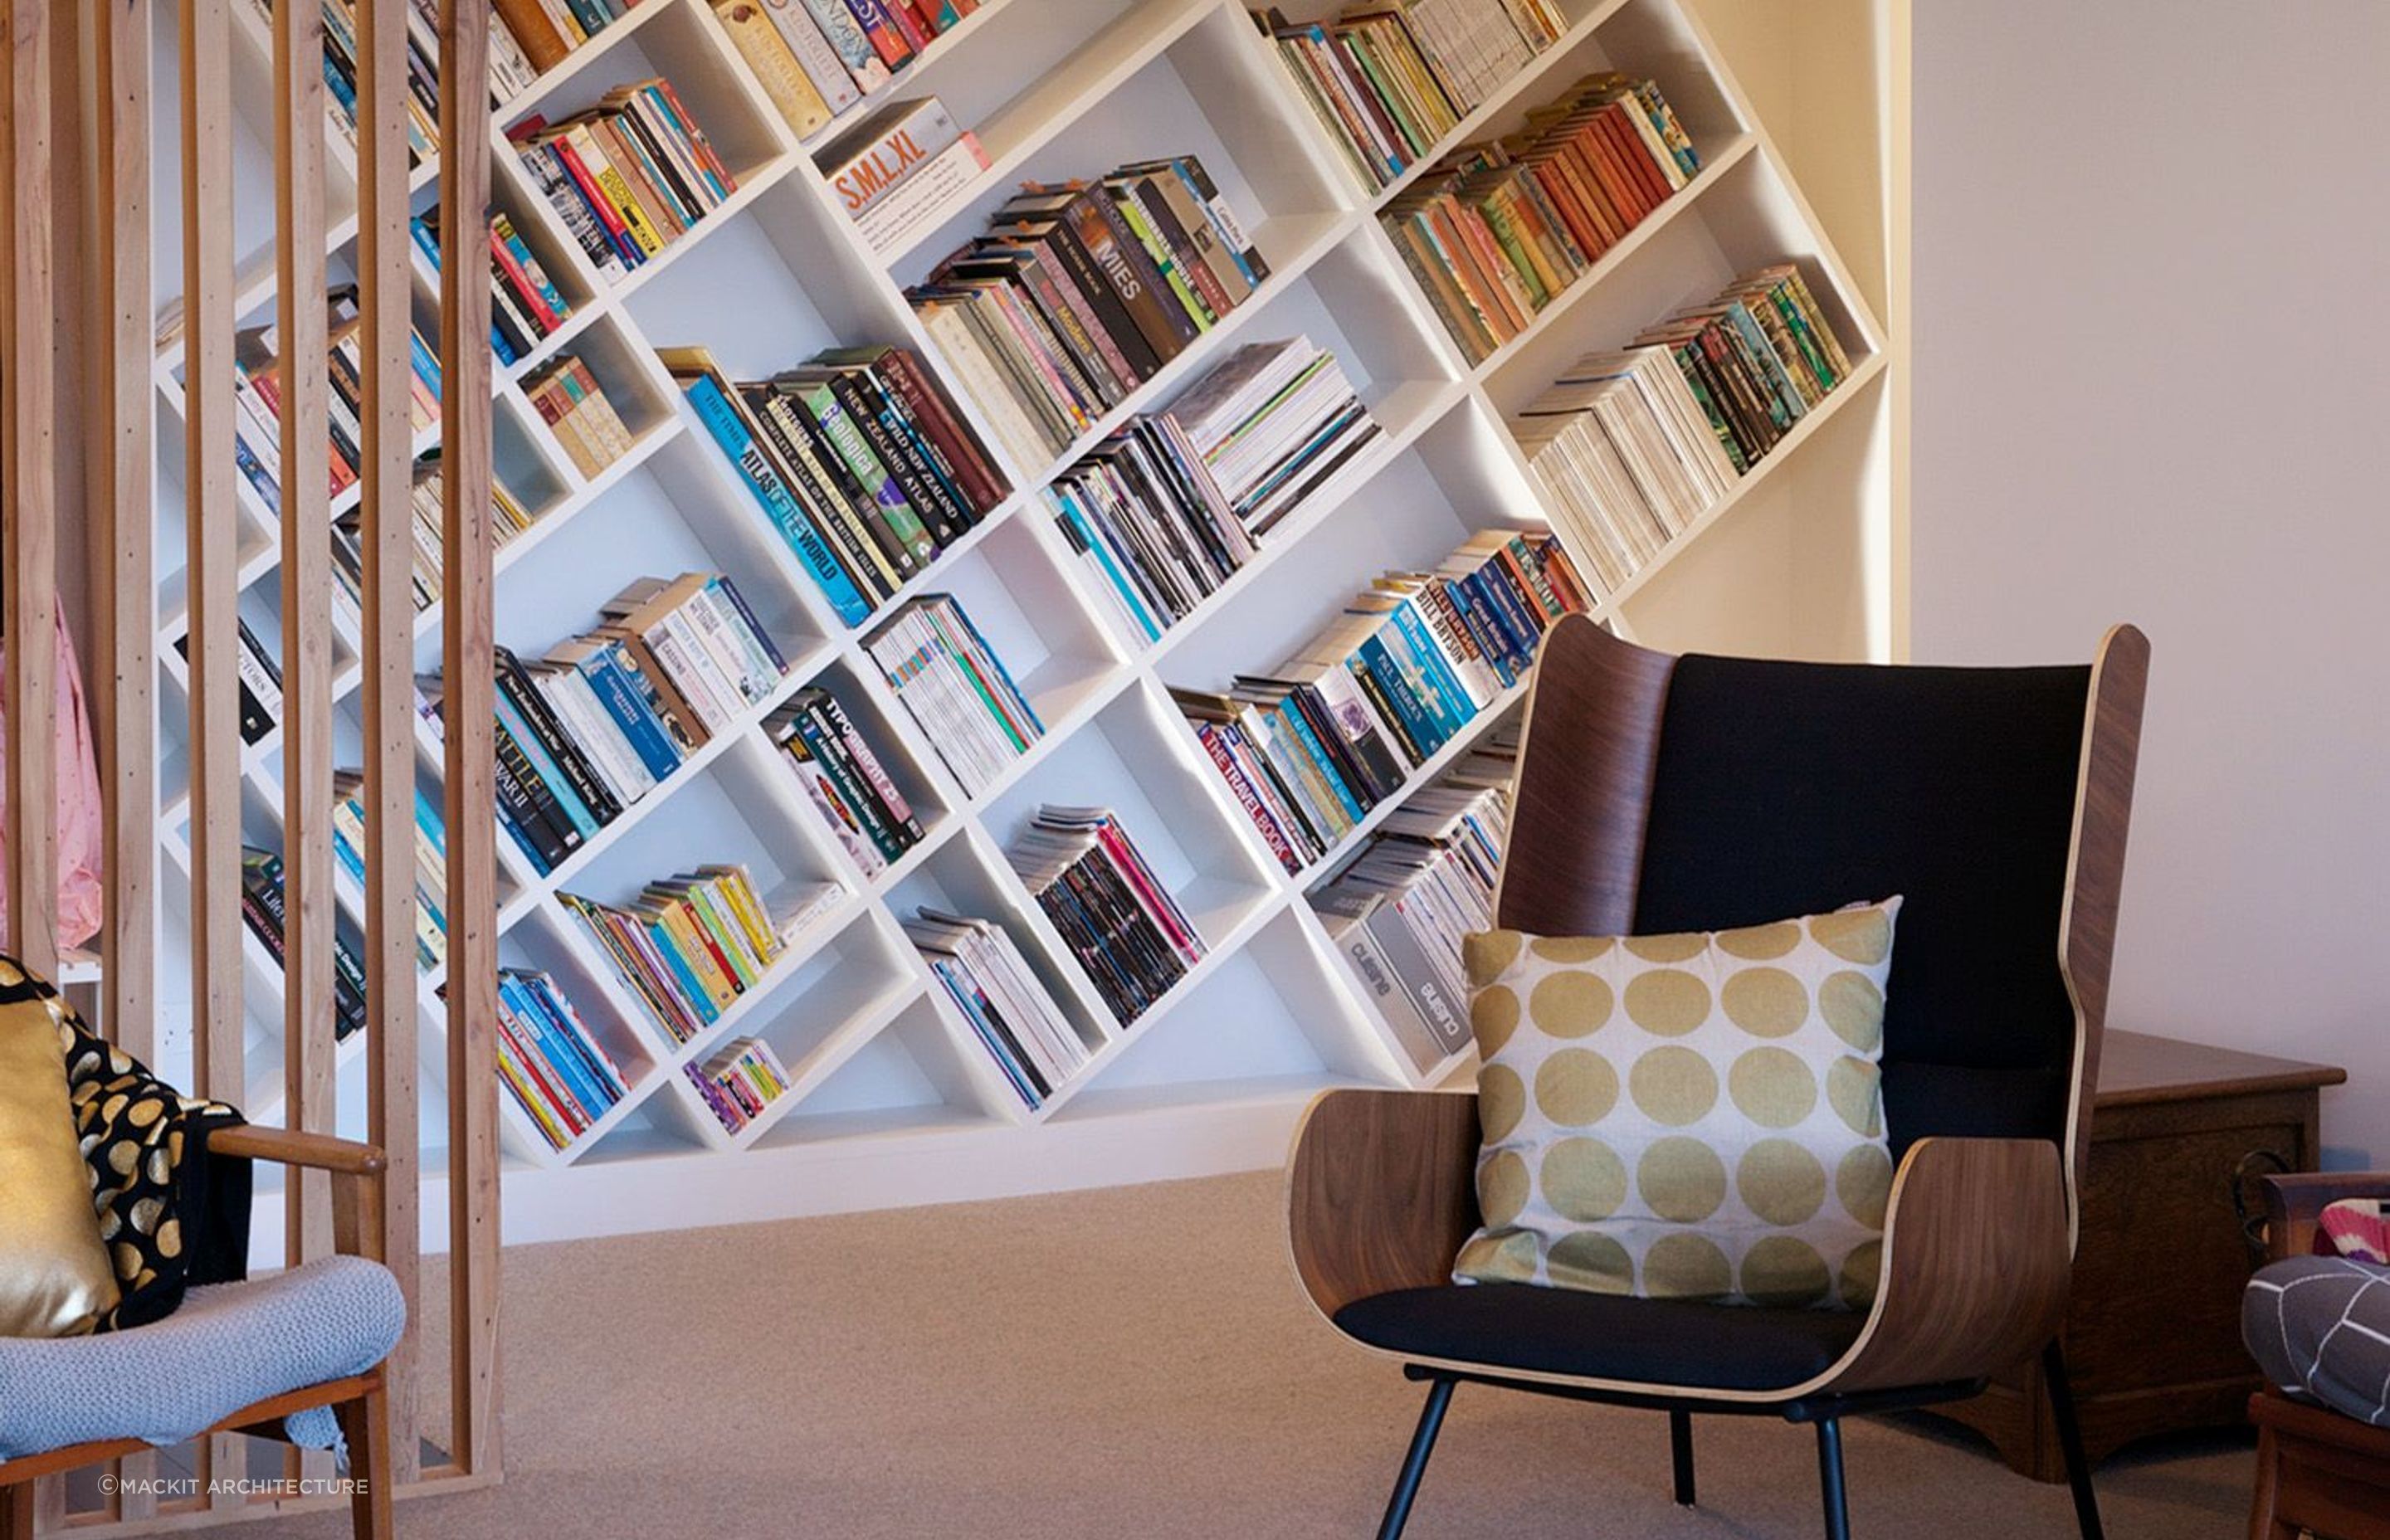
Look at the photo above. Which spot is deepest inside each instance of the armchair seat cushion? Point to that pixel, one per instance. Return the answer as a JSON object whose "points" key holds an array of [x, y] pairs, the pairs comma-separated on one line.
{"points": [[229, 1346], [2319, 1329], [1659, 1343]]}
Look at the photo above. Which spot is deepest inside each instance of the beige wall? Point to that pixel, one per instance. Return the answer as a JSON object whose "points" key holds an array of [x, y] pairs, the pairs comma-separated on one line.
{"points": [[2152, 381]]}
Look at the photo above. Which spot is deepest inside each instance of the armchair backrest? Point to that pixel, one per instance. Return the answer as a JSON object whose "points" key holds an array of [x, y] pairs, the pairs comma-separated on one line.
{"points": [[1659, 793]]}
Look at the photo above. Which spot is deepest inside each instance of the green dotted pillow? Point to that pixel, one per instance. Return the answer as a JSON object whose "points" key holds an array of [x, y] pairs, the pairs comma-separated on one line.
{"points": [[1693, 1116]]}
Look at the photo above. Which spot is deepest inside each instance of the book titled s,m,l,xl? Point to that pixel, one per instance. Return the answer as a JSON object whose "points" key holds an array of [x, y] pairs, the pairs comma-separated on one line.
{"points": [[931, 187], [866, 164]]}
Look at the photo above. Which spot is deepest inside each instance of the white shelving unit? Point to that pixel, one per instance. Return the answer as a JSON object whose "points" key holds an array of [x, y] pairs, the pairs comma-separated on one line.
{"points": [[893, 1101]]}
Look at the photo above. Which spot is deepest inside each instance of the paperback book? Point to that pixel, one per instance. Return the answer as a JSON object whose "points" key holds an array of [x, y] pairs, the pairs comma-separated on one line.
{"points": [[557, 1071], [629, 176], [689, 946]]}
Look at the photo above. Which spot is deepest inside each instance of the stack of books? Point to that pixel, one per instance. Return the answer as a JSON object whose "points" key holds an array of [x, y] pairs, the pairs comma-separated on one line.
{"points": [[430, 860], [596, 725], [261, 909], [1272, 422], [1145, 515], [509, 517], [957, 689], [261, 682], [629, 176], [1389, 82], [510, 70], [815, 58], [1080, 293], [548, 30], [1123, 926], [689, 946], [859, 458], [561, 1078], [1495, 232], [1425, 880], [1631, 446], [257, 387], [575, 409], [991, 985], [1311, 747], [849, 786], [525, 305], [740, 1080], [898, 166]]}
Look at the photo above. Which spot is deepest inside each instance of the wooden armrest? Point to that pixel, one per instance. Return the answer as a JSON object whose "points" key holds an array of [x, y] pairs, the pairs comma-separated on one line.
{"points": [[357, 1172], [2294, 1200], [1976, 1264], [1381, 1191]]}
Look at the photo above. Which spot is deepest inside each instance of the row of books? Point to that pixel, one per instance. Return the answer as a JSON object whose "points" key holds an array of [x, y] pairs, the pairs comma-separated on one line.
{"points": [[261, 681], [509, 517], [956, 689], [1008, 1010], [845, 780], [510, 71], [859, 458], [1272, 422], [1127, 932], [574, 404], [560, 1075], [687, 947], [545, 30], [525, 303], [1080, 293], [1389, 82], [1495, 232], [1311, 747], [898, 167], [1630, 446], [1425, 879], [816, 59], [262, 909], [430, 860], [595, 725], [627, 177], [257, 390], [740, 1079]]}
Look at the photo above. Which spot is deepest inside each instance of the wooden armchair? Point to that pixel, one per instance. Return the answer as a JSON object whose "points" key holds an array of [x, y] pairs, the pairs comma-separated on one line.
{"points": [[1661, 795], [360, 1401], [2317, 1470]]}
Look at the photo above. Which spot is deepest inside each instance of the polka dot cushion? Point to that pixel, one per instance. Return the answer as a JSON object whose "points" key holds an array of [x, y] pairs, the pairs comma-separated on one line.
{"points": [[1692, 1116]]}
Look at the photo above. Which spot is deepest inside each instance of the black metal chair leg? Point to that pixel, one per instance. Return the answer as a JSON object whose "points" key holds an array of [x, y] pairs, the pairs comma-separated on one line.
{"points": [[1680, 1454], [1398, 1507], [1829, 1479], [2070, 1441]]}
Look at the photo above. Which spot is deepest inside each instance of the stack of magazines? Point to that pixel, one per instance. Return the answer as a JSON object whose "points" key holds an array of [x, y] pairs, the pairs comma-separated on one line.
{"points": [[1127, 932], [956, 689], [1142, 510], [1272, 422], [991, 985]]}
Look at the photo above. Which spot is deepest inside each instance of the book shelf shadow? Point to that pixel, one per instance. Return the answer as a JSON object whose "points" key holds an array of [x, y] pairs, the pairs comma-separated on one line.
{"points": [[911, 1076]]}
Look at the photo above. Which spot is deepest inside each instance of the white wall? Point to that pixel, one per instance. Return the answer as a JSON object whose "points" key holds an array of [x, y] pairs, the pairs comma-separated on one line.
{"points": [[2152, 381]]}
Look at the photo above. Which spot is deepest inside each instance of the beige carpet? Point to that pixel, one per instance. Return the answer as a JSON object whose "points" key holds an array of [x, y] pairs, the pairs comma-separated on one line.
{"points": [[1129, 1363]]}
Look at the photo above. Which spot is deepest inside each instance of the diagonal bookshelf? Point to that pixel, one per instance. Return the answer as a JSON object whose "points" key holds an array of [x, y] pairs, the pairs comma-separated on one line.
{"points": [[890, 1098]]}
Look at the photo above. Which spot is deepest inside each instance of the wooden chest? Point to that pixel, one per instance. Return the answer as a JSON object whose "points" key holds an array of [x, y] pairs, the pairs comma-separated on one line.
{"points": [[2154, 1324]]}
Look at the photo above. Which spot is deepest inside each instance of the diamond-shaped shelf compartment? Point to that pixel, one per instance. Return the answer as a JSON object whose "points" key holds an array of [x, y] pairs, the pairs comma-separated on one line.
{"points": [[910, 1076]]}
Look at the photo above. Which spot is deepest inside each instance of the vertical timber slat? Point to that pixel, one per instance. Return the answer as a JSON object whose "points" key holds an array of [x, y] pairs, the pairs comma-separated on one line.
{"points": [[29, 610], [384, 273], [468, 693]]}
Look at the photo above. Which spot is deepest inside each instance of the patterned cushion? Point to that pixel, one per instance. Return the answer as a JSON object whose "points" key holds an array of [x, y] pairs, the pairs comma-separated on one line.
{"points": [[1690, 1116], [55, 1279], [2357, 1227], [2319, 1329]]}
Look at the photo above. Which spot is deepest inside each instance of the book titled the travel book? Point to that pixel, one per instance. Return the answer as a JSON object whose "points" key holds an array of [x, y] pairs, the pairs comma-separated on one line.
{"points": [[1399, 909], [956, 689], [1496, 231], [555, 1067], [1310, 747], [629, 176], [859, 458], [847, 780], [689, 946], [1008, 1010], [1123, 926], [1079, 292]]}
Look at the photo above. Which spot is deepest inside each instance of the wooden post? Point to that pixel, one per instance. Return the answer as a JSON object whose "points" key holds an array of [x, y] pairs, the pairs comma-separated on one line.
{"points": [[470, 704], [384, 275]]}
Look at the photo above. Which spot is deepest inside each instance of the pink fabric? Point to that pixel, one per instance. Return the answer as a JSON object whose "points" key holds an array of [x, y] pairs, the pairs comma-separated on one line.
{"points": [[80, 896], [2357, 1227]]}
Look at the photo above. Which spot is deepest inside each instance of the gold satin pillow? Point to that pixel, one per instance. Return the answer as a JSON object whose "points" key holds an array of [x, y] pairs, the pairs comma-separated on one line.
{"points": [[54, 1276]]}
